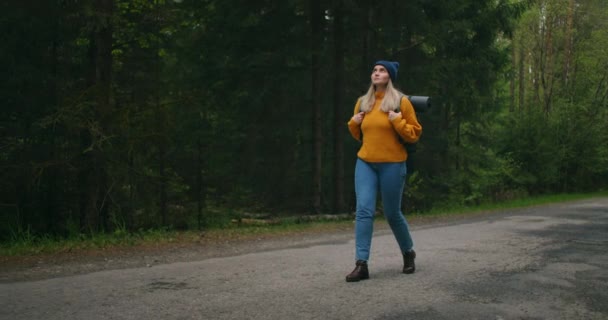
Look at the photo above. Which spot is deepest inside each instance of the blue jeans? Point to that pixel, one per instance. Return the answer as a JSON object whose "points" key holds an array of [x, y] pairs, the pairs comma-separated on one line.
{"points": [[389, 177]]}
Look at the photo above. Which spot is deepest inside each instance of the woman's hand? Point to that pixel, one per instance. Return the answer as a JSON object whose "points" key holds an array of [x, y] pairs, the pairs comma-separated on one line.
{"points": [[358, 118], [392, 115]]}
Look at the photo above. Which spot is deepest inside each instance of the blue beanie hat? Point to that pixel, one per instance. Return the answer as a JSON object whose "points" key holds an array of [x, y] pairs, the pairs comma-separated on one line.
{"points": [[391, 66]]}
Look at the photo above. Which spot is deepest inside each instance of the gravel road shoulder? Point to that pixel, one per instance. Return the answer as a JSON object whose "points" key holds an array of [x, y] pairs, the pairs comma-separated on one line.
{"points": [[45, 266]]}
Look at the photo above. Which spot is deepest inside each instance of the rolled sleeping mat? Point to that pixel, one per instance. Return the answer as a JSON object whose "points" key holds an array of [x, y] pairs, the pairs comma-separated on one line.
{"points": [[421, 103]]}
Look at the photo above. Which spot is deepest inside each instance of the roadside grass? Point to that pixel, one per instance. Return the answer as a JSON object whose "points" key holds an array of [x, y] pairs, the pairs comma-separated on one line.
{"points": [[511, 204], [24, 243]]}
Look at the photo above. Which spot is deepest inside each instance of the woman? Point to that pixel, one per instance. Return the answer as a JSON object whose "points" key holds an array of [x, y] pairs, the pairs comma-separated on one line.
{"points": [[383, 119]]}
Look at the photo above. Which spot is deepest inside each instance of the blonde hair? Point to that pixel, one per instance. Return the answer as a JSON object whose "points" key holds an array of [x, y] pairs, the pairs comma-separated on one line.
{"points": [[391, 101]]}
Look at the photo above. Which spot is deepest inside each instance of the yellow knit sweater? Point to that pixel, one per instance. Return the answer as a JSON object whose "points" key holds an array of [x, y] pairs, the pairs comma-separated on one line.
{"points": [[380, 135]]}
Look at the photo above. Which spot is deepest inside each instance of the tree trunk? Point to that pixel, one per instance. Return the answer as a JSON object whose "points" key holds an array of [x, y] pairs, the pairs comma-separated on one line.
{"points": [[317, 146], [569, 45], [522, 75], [200, 197], [93, 175], [162, 140], [163, 182], [445, 124], [537, 60], [162, 158], [458, 157], [130, 211], [368, 38], [338, 127], [52, 189], [104, 81], [512, 79], [547, 73]]}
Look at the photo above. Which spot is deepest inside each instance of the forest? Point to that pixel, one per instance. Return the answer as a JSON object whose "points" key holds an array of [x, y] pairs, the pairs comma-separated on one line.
{"points": [[175, 113]]}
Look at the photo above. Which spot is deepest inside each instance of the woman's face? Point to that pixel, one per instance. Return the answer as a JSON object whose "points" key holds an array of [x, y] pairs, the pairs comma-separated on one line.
{"points": [[380, 76]]}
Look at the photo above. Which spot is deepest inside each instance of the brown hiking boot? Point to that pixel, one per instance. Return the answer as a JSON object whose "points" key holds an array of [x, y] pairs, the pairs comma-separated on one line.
{"points": [[408, 262], [360, 272]]}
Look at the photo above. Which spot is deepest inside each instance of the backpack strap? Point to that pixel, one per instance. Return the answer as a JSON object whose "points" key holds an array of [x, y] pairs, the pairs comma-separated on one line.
{"points": [[409, 147], [401, 100]]}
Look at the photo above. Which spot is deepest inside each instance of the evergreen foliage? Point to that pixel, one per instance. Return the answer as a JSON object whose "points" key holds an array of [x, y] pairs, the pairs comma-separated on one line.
{"points": [[138, 114]]}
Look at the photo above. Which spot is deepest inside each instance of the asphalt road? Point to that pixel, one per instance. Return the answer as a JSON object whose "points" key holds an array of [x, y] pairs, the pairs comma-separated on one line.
{"points": [[547, 262]]}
